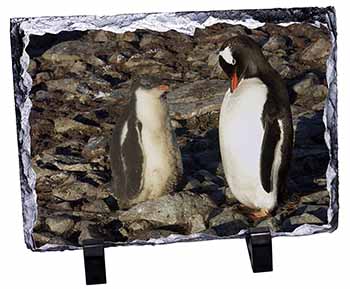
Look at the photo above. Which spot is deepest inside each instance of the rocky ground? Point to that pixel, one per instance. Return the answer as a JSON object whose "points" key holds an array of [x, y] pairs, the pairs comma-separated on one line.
{"points": [[80, 86]]}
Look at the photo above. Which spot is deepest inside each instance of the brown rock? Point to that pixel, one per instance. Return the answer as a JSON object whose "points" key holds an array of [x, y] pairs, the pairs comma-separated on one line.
{"points": [[59, 225]]}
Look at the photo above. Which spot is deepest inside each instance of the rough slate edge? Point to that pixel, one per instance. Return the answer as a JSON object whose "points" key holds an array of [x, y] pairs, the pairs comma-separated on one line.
{"points": [[22, 86]]}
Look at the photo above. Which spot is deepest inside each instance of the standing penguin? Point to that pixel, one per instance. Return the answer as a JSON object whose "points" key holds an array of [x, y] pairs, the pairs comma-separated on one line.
{"points": [[255, 127], [145, 159]]}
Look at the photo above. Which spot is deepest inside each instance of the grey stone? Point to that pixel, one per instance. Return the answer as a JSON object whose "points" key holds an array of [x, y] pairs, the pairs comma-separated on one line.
{"points": [[73, 190], [95, 148], [64, 125], [230, 228], [170, 210], [227, 215], [303, 86], [87, 231], [192, 184], [322, 196], [305, 219], [197, 224], [151, 234], [229, 196], [62, 206], [317, 51], [275, 42], [271, 223], [197, 98], [97, 206], [59, 225]]}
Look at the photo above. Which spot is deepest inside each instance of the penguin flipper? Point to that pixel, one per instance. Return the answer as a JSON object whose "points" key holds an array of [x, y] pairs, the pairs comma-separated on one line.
{"points": [[118, 174], [272, 135], [132, 160]]}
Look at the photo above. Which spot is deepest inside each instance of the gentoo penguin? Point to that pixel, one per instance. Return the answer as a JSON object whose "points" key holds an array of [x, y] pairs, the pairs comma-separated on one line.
{"points": [[255, 127], [145, 158]]}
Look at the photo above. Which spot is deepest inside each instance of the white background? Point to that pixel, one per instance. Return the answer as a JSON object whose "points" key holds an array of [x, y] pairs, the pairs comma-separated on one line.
{"points": [[318, 261]]}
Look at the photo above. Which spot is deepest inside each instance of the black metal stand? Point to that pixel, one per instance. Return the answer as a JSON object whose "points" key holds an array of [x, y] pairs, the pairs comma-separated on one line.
{"points": [[259, 245], [94, 260]]}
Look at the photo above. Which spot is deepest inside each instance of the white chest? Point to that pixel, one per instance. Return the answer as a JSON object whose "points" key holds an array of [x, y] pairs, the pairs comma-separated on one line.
{"points": [[241, 133], [156, 144]]}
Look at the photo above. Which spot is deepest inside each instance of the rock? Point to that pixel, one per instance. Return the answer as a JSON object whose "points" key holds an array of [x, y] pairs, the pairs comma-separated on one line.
{"points": [[140, 60], [64, 125], [59, 225], [101, 36], [137, 227], [197, 224], [32, 68], [320, 211], [281, 66], [41, 239], [95, 148], [217, 196], [309, 130], [197, 98], [290, 224], [230, 228], [208, 187], [150, 40], [88, 231], [227, 215], [152, 234], [62, 206], [130, 37], [73, 190], [65, 84], [316, 198], [111, 202], [271, 223], [208, 159], [78, 67], [306, 30], [117, 58], [97, 206], [273, 29], [42, 95], [193, 184], [209, 177], [305, 219], [275, 42], [170, 210], [317, 51], [303, 86], [229, 197], [41, 77]]}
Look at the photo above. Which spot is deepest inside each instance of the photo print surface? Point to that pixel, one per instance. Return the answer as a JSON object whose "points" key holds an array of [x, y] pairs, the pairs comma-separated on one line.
{"points": [[165, 127]]}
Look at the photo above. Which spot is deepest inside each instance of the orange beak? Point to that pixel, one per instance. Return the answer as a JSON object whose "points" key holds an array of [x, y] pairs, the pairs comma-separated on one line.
{"points": [[234, 81], [163, 87]]}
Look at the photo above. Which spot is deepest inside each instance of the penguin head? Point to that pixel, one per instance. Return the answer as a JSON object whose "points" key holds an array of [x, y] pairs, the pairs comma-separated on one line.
{"points": [[240, 57], [149, 87]]}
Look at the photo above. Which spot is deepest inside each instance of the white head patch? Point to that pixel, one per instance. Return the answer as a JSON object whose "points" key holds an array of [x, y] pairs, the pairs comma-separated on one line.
{"points": [[227, 56]]}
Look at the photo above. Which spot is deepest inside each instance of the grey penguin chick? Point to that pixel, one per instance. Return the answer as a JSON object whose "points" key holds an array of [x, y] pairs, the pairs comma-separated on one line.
{"points": [[145, 158], [255, 127]]}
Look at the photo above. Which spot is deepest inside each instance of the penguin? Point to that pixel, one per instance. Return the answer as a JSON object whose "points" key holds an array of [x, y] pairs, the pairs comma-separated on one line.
{"points": [[145, 158], [255, 127]]}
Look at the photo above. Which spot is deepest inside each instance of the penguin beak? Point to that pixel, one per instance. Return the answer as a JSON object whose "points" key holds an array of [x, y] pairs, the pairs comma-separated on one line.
{"points": [[234, 81], [163, 87]]}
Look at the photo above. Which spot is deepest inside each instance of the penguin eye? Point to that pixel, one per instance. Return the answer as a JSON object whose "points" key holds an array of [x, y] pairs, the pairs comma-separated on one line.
{"points": [[233, 61]]}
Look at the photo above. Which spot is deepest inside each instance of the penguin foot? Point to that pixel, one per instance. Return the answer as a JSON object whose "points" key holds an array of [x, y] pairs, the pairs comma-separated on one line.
{"points": [[259, 214]]}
